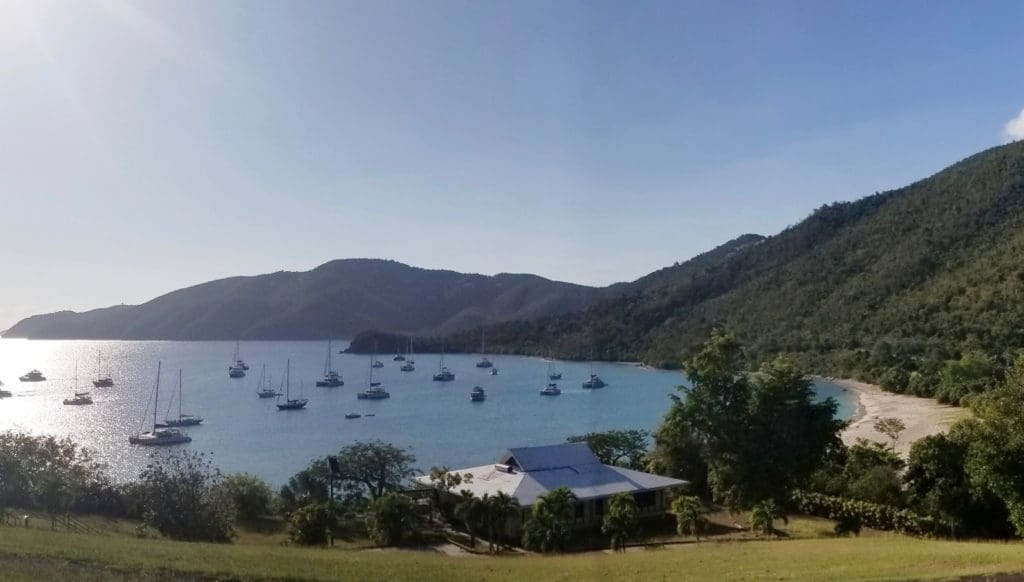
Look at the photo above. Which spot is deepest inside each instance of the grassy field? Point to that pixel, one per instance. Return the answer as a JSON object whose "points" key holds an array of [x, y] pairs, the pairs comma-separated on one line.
{"points": [[35, 554]]}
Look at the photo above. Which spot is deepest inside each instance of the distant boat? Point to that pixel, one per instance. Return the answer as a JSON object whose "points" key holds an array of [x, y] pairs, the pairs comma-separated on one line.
{"points": [[353, 415], [237, 370], [160, 434], [264, 389], [551, 389], [4, 393], [594, 381], [373, 391], [331, 378], [102, 381], [494, 371], [443, 374], [484, 362], [410, 364], [552, 374], [183, 419], [80, 398], [33, 376], [290, 403], [477, 394]]}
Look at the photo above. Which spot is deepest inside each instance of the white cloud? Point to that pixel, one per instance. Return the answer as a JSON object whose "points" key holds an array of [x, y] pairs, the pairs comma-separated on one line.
{"points": [[1014, 128]]}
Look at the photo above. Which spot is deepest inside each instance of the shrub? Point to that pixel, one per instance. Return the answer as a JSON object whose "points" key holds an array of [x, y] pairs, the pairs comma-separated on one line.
{"points": [[392, 517], [873, 515], [250, 495], [691, 516], [311, 525], [182, 498]]}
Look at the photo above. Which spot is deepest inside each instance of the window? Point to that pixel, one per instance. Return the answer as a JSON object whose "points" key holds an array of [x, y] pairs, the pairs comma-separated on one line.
{"points": [[599, 507], [579, 510], [646, 499]]}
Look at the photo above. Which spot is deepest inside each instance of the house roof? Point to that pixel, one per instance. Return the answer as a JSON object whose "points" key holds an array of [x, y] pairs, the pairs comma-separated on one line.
{"points": [[537, 470]]}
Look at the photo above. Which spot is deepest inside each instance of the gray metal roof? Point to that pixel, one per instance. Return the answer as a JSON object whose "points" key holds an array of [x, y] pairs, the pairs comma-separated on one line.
{"points": [[566, 465]]}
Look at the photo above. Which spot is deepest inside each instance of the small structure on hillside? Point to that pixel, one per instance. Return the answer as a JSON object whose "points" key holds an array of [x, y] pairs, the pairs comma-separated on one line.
{"points": [[526, 473]]}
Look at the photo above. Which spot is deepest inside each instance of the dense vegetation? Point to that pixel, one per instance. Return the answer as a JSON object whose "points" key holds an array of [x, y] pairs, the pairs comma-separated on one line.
{"points": [[337, 299], [889, 288]]}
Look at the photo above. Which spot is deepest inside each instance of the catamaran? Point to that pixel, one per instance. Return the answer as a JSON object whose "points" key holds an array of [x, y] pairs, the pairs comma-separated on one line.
{"points": [[160, 434], [265, 390], [290, 403], [373, 391], [237, 370], [183, 419], [410, 363], [331, 378], [551, 389], [80, 398], [102, 381], [484, 362], [443, 374]]}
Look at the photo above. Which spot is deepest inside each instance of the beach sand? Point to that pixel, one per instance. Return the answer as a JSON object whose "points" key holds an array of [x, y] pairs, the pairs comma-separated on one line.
{"points": [[923, 416]]}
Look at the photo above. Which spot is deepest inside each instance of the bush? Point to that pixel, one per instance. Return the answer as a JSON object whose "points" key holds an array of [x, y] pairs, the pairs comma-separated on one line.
{"points": [[873, 515], [847, 524], [311, 525], [250, 495], [182, 498], [391, 518]]}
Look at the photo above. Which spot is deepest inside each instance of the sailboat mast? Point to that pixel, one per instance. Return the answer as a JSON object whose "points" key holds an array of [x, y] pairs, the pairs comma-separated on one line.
{"points": [[179, 393], [288, 380], [156, 395]]}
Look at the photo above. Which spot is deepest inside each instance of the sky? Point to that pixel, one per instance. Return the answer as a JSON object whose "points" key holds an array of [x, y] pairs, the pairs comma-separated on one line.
{"points": [[146, 146]]}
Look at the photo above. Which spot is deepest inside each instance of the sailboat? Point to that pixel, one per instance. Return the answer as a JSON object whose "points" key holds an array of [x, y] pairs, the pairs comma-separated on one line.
{"points": [[443, 374], [331, 378], [594, 381], [101, 381], [80, 398], [183, 419], [290, 403], [410, 363], [265, 390], [4, 393], [160, 434], [373, 391], [484, 362], [552, 374], [237, 369]]}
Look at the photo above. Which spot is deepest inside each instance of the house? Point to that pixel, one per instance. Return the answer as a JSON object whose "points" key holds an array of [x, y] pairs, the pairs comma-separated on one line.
{"points": [[526, 473]]}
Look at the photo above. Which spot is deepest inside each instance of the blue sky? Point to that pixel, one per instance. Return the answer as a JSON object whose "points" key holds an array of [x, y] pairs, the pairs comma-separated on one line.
{"points": [[145, 146]]}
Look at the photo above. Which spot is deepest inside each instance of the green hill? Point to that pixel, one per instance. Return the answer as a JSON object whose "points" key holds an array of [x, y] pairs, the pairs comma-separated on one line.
{"points": [[905, 278]]}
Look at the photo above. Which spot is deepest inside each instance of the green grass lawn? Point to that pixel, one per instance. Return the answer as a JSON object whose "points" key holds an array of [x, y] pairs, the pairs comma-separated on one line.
{"points": [[41, 554]]}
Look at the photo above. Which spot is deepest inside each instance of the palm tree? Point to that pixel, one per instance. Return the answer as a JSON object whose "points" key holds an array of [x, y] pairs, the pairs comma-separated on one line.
{"points": [[471, 511], [500, 509], [691, 518], [550, 524], [763, 516], [622, 520]]}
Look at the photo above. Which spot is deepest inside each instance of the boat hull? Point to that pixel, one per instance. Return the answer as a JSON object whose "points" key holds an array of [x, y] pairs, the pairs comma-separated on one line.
{"points": [[103, 383], [148, 441], [329, 383]]}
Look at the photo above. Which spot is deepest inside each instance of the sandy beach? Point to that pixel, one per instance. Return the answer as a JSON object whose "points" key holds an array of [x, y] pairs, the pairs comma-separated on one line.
{"points": [[923, 416]]}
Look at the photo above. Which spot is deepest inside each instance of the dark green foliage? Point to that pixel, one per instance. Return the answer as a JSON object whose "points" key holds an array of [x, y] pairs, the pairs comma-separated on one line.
{"points": [[626, 448], [848, 523], [377, 466], [622, 520], [691, 515], [311, 525], [183, 499], [764, 515], [873, 515], [391, 519], [757, 436], [307, 487], [251, 496], [549, 527], [902, 280]]}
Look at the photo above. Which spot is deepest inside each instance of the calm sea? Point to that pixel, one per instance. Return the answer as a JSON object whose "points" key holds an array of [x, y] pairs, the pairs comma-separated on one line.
{"points": [[435, 420]]}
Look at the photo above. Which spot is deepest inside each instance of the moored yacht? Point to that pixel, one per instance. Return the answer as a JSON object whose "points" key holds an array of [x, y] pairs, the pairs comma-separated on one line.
{"points": [[594, 381], [33, 376], [443, 373], [331, 378], [410, 363], [4, 393], [551, 389], [374, 390], [80, 399], [484, 362], [102, 381], [183, 419], [477, 394], [289, 402], [264, 389], [160, 434]]}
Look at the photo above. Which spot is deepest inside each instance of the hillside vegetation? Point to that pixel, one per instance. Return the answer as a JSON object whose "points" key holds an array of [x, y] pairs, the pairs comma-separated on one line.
{"points": [[336, 299], [901, 280]]}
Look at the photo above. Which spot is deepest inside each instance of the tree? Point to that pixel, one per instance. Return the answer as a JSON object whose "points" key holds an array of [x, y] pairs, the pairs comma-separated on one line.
{"points": [[498, 510], [309, 486], [892, 428], [377, 466], [250, 495], [391, 519], [311, 525], [763, 516], [444, 480], [691, 516], [549, 528], [183, 500], [626, 448], [471, 511], [622, 521]]}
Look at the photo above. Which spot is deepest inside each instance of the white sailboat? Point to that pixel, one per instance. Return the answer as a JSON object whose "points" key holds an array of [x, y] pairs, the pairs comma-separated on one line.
{"points": [[183, 419], [265, 389], [102, 381], [289, 402], [410, 363], [443, 374], [238, 368], [484, 362], [80, 398], [160, 434], [331, 378], [374, 390]]}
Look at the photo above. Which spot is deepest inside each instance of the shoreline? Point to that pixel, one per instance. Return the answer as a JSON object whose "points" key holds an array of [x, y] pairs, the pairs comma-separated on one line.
{"points": [[922, 416]]}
